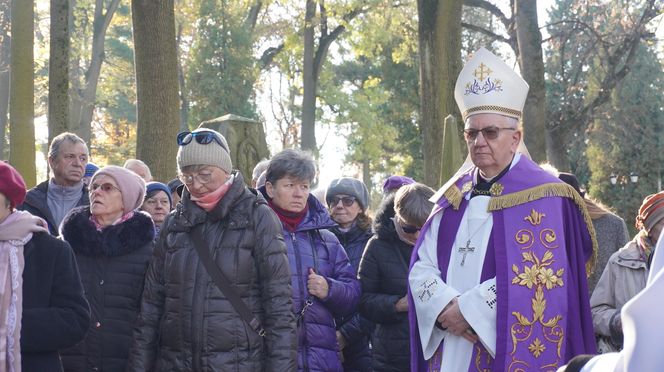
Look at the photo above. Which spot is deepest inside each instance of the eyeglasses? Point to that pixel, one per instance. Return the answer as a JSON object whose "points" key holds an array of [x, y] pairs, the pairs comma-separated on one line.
{"points": [[408, 229], [202, 178], [203, 137], [105, 187], [489, 133], [347, 201]]}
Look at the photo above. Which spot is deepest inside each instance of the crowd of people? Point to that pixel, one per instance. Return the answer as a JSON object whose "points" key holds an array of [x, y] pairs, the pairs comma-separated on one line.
{"points": [[509, 266]]}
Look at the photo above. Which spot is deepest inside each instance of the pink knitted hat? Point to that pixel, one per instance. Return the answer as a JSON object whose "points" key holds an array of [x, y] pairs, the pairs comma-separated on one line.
{"points": [[130, 184]]}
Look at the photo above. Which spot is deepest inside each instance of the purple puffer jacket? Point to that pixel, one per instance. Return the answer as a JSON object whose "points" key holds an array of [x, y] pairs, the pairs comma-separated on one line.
{"points": [[317, 342]]}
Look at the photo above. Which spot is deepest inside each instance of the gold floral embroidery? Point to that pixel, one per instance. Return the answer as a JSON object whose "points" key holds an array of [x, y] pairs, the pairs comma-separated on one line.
{"points": [[536, 347], [481, 356], [535, 217], [496, 189], [538, 274], [466, 187], [548, 238], [525, 237]]}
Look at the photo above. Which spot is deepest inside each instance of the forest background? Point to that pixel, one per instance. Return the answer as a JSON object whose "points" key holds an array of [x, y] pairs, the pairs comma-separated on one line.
{"points": [[363, 84]]}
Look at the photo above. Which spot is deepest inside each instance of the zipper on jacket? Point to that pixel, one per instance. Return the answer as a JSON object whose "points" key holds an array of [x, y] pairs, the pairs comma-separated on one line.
{"points": [[303, 294]]}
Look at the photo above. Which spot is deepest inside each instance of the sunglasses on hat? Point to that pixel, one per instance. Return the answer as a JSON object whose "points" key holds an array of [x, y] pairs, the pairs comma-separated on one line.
{"points": [[203, 137]]}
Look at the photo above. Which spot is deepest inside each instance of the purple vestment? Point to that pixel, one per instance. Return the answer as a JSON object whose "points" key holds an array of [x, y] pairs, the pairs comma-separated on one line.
{"points": [[537, 250]]}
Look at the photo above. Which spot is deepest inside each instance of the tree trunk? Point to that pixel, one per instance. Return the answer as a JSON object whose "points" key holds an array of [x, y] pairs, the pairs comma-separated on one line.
{"points": [[58, 70], [22, 107], [184, 100], [308, 135], [83, 104], [157, 104], [529, 40], [440, 63], [556, 148], [5, 14]]}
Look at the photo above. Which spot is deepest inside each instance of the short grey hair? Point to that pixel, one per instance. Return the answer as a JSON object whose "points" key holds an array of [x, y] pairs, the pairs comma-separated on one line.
{"points": [[54, 148], [412, 204], [291, 163], [259, 168], [140, 163]]}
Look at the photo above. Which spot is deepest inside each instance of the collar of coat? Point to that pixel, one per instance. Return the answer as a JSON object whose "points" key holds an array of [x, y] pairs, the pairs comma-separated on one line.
{"points": [[114, 240]]}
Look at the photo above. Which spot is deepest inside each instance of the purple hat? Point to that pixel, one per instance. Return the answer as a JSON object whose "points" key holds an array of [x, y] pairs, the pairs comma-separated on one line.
{"points": [[130, 184], [393, 183]]}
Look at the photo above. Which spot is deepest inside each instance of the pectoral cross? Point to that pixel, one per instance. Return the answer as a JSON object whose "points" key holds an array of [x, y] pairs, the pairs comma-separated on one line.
{"points": [[465, 250]]}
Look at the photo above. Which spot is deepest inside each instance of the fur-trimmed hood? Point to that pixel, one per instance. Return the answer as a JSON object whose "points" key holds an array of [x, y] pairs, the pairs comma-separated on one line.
{"points": [[383, 226], [114, 240]]}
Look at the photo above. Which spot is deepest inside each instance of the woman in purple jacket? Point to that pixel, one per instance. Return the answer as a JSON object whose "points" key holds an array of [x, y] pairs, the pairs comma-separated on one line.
{"points": [[323, 281]]}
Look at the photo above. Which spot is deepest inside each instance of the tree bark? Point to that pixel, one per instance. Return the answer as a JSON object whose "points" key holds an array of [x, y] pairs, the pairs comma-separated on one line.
{"points": [[531, 62], [310, 81], [184, 100], [58, 70], [157, 104], [440, 63], [83, 104], [22, 107], [556, 148], [5, 22]]}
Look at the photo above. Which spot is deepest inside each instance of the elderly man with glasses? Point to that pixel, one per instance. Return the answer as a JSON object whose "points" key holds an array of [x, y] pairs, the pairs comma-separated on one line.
{"points": [[217, 293], [498, 275]]}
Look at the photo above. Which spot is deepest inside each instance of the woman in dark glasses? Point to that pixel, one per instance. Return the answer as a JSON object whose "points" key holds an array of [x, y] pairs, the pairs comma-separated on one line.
{"points": [[384, 274], [187, 322], [113, 243], [348, 201]]}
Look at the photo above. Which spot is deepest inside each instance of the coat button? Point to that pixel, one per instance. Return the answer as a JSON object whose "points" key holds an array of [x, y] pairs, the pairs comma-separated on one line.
{"points": [[101, 282], [98, 325]]}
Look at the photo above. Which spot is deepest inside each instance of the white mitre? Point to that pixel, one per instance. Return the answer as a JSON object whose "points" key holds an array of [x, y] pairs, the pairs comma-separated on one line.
{"points": [[488, 85]]}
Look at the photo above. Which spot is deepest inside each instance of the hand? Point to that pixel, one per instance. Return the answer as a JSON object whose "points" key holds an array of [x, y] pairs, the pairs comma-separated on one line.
{"points": [[402, 305], [453, 321], [317, 285]]}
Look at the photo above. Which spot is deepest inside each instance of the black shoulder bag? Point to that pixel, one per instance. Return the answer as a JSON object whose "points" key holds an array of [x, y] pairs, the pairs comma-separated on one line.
{"points": [[223, 283]]}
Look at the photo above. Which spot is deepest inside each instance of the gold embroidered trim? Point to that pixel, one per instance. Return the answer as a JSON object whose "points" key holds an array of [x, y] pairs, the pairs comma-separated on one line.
{"points": [[504, 110], [548, 190], [454, 196]]}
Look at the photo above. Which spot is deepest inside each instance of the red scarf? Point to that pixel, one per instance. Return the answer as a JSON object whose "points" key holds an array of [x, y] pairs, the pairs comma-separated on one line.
{"points": [[291, 220]]}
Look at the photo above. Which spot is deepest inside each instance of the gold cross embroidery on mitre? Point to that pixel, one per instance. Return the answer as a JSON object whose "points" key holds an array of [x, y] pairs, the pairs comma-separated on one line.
{"points": [[482, 71]]}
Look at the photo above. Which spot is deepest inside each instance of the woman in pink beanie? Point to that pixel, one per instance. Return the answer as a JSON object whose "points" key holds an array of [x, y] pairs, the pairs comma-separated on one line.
{"points": [[113, 243]]}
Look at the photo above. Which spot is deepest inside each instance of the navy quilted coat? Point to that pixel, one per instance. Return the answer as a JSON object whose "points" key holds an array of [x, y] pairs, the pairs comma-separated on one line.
{"points": [[317, 341]]}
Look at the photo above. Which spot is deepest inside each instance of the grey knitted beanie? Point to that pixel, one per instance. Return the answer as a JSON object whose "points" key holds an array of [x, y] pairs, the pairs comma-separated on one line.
{"points": [[348, 186], [212, 153]]}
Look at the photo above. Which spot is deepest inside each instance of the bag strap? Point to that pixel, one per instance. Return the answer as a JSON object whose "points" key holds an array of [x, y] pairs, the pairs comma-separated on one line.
{"points": [[223, 284]]}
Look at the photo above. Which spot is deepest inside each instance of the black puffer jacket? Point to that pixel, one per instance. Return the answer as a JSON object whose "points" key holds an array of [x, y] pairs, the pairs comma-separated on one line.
{"points": [[55, 312], [186, 323], [355, 328], [384, 278], [112, 263]]}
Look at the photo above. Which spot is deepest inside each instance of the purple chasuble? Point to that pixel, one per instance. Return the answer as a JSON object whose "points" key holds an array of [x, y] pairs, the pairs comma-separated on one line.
{"points": [[537, 251]]}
